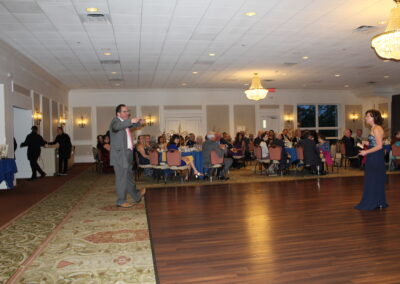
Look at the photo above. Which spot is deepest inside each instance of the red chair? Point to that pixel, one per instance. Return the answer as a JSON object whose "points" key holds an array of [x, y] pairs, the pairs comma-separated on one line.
{"points": [[158, 170], [217, 164], [395, 155], [174, 164], [259, 160], [275, 155]]}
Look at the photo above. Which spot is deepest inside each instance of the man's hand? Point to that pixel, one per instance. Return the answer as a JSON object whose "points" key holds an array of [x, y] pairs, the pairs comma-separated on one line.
{"points": [[136, 120]]}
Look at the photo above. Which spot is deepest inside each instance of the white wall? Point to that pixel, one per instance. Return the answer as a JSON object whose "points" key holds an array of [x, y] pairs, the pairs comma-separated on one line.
{"points": [[204, 97], [15, 67]]}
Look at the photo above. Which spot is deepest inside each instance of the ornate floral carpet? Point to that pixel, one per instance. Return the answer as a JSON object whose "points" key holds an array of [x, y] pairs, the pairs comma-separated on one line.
{"points": [[77, 235]]}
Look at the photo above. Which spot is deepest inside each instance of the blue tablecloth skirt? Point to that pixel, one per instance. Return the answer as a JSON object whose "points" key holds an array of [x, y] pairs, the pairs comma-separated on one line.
{"points": [[8, 168]]}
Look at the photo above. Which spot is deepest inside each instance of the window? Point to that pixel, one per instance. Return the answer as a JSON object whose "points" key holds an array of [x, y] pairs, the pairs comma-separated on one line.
{"points": [[320, 118]]}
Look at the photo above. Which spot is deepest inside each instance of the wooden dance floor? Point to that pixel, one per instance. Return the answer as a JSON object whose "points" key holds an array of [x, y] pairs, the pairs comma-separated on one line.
{"points": [[285, 232]]}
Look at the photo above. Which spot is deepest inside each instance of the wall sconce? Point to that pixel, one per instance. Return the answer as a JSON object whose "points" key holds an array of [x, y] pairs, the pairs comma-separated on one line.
{"points": [[37, 117], [82, 122], [150, 120], [288, 117], [384, 115], [62, 121], [354, 116]]}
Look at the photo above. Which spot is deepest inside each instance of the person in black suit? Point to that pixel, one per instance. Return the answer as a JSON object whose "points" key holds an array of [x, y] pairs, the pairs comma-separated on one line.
{"points": [[311, 153], [34, 141], [64, 150], [351, 149]]}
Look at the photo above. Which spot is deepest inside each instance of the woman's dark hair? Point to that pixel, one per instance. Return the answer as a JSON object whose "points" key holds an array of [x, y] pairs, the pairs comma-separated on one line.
{"points": [[239, 138], [322, 136], [172, 140], [159, 138], [376, 115]]}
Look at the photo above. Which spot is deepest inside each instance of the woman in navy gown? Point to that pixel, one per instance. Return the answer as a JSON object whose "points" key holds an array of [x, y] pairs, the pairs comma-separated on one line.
{"points": [[375, 171]]}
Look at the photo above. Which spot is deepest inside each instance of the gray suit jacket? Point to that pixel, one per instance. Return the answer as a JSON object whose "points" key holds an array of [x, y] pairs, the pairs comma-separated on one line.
{"points": [[209, 146], [119, 154]]}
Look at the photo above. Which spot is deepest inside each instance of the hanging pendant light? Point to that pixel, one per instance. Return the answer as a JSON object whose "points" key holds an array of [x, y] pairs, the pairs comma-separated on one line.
{"points": [[387, 44], [256, 91]]}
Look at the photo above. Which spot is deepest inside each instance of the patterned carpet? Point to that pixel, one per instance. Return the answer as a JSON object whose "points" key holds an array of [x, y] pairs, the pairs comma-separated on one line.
{"points": [[77, 235]]}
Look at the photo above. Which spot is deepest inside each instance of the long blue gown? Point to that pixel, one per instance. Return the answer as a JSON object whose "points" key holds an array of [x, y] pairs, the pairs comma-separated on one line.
{"points": [[374, 180]]}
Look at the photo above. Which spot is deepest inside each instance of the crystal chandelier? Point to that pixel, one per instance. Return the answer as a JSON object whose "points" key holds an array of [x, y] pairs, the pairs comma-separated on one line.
{"points": [[256, 91], [387, 44]]}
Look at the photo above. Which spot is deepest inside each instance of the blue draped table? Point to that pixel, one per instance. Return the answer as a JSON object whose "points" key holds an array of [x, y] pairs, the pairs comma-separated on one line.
{"points": [[293, 154], [197, 159], [8, 168]]}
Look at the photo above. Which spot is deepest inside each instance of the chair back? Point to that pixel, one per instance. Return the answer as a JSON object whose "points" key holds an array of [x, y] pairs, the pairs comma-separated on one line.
{"points": [[258, 152], [395, 150], [343, 149], [174, 158], [275, 153], [153, 158], [215, 159], [95, 154], [300, 153], [251, 146]]}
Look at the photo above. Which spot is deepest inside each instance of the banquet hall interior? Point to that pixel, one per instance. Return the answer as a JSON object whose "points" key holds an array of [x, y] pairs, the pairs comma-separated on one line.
{"points": [[238, 73]]}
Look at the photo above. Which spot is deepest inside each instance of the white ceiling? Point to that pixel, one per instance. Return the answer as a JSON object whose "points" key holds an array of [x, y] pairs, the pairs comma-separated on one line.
{"points": [[159, 43]]}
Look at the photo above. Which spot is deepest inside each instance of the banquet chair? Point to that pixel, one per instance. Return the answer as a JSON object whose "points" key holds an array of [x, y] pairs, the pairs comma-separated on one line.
{"points": [[395, 159], [97, 160], [140, 167], [217, 165], [158, 170], [174, 164], [260, 162], [275, 155], [344, 158]]}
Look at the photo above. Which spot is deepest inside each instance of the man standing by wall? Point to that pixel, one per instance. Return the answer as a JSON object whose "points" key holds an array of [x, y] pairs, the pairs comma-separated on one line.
{"points": [[34, 141], [64, 150], [121, 155]]}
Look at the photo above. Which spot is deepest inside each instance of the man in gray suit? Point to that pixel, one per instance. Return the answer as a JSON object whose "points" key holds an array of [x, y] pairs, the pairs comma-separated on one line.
{"points": [[121, 156], [211, 145]]}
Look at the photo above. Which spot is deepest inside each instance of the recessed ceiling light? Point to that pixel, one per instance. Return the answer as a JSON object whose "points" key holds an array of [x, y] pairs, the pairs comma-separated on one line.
{"points": [[183, 84], [386, 76], [117, 84], [246, 84], [113, 72], [337, 75], [305, 57], [195, 72], [382, 22], [107, 53], [91, 9], [346, 86], [304, 85], [211, 54], [250, 14], [284, 74]]}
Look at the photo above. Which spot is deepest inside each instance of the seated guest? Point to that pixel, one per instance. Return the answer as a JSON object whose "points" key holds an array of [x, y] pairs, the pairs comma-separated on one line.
{"points": [[350, 148], [211, 145], [264, 147], [285, 135], [271, 137], [311, 153], [199, 142], [359, 138], [259, 137], [239, 144], [396, 138], [296, 137], [278, 141], [223, 138], [174, 144], [191, 140], [100, 143], [162, 143], [105, 156], [142, 151], [325, 148]]}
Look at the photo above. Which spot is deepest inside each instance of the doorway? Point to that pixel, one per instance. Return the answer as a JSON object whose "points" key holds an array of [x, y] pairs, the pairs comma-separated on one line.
{"points": [[22, 127]]}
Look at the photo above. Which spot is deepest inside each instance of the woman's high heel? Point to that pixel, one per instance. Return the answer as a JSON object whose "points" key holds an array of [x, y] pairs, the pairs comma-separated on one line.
{"points": [[198, 174]]}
